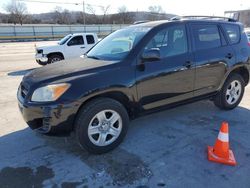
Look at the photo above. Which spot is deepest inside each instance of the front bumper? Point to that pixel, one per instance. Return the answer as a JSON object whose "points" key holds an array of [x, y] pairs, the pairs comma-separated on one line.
{"points": [[47, 118], [41, 58]]}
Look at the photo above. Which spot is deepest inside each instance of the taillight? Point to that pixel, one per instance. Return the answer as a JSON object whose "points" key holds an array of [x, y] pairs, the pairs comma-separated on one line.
{"points": [[248, 44]]}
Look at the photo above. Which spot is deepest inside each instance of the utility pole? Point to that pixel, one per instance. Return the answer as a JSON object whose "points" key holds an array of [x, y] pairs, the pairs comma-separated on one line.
{"points": [[15, 12], [84, 13]]}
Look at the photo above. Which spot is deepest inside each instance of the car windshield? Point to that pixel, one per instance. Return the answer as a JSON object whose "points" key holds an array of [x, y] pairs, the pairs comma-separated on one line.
{"points": [[64, 39], [117, 45]]}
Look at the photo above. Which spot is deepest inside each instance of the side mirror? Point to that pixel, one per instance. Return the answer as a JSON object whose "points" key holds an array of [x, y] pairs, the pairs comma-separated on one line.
{"points": [[152, 54]]}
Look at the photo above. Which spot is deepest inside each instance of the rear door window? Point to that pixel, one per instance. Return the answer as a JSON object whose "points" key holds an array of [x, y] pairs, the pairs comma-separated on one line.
{"points": [[233, 33], [90, 39], [206, 36]]}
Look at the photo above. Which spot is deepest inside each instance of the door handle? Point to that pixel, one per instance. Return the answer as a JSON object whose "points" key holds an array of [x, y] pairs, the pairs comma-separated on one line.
{"points": [[82, 47], [229, 56], [187, 64]]}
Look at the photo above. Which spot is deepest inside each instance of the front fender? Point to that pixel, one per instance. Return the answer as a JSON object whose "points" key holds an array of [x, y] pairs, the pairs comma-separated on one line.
{"points": [[54, 49]]}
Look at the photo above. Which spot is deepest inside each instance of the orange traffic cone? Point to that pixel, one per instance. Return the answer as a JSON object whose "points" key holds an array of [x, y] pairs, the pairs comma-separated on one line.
{"points": [[221, 153]]}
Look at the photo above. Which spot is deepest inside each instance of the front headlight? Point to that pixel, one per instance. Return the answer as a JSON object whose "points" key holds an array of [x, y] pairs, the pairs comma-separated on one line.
{"points": [[49, 93]]}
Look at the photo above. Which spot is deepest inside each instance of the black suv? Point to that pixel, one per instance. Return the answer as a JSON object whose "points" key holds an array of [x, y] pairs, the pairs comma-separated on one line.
{"points": [[137, 70]]}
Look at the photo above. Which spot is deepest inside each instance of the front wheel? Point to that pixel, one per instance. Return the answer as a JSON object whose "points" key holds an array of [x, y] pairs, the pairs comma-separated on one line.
{"points": [[101, 125], [231, 93], [54, 58]]}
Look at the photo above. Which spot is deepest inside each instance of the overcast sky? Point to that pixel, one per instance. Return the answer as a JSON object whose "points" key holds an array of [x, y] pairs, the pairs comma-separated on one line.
{"points": [[180, 7]]}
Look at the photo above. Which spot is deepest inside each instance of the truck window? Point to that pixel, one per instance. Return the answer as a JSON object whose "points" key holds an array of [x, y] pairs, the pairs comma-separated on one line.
{"points": [[206, 36], [90, 39], [233, 33], [77, 40]]}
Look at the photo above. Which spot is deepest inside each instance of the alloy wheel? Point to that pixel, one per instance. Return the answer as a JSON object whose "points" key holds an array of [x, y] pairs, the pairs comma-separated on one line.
{"points": [[233, 92], [105, 127]]}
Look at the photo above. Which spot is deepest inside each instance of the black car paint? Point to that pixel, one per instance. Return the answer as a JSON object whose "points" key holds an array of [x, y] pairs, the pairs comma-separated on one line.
{"points": [[141, 86]]}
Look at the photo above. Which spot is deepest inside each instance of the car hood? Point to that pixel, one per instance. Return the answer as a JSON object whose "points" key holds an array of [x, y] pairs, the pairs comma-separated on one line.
{"points": [[42, 46], [65, 69]]}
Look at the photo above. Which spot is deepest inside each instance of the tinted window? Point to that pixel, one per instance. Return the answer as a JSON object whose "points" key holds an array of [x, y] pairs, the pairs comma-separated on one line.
{"points": [[233, 33], [77, 40], [171, 41], [206, 36], [90, 39]]}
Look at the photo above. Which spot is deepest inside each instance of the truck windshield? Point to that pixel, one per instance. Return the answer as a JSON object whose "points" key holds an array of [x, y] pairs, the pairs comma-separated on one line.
{"points": [[117, 45], [64, 39]]}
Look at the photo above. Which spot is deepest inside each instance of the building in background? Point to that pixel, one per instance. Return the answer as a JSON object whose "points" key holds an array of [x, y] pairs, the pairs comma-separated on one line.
{"points": [[242, 15]]}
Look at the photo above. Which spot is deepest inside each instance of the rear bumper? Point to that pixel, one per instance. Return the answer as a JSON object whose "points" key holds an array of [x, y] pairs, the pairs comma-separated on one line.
{"points": [[44, 119]]}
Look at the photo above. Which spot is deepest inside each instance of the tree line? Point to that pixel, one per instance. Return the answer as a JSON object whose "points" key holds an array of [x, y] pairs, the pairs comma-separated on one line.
{"points": [[17, 13]]}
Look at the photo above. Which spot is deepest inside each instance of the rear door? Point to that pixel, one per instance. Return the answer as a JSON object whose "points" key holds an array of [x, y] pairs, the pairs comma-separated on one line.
{"points": [[212, 56]]}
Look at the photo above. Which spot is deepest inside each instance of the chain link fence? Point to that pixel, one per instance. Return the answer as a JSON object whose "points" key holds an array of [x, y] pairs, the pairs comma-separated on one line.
{"points": [[50, 32]]}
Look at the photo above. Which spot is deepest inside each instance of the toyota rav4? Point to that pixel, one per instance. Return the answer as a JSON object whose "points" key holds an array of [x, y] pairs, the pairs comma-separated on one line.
{"points": [[137, 70]]}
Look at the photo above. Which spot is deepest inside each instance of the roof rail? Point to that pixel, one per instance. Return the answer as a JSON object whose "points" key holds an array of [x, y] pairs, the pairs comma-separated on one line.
{"points": [[204, 17]]}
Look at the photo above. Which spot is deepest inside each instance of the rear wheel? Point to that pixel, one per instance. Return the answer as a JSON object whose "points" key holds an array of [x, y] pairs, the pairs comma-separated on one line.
{"points": [[231, 93], [101, 125]]}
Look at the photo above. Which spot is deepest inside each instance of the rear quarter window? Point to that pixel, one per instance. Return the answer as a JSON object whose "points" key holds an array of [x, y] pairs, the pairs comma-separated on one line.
{"points": [[232, 32]]}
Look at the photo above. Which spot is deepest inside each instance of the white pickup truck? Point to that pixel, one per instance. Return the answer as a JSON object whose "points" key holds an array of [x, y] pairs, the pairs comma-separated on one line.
{"points": [[71, 46]]}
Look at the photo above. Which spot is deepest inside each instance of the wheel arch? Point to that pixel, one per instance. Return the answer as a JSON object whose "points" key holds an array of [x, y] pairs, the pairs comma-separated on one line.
{"points": [[55, 53], [242, 71], [115, 95]]}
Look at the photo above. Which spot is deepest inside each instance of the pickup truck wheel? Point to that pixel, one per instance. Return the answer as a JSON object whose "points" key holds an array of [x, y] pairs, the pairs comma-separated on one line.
{"points": [[54, 58], [101, 125], [231, 93]]}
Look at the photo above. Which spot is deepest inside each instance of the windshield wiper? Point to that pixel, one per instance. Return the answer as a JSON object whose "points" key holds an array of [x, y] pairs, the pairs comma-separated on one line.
{"points": [[93, 57]]}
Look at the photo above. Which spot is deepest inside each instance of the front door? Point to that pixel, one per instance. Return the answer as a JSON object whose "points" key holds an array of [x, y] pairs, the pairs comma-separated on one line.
{"points": [[75, 47], [171, 78]]}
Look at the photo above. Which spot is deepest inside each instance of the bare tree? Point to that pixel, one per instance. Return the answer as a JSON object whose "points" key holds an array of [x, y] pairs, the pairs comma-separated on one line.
{"points": [[62, 16], [93, 18], [156, 12], [122, 9], [91, 9], [17, 11], [58, 15], [66, 16], [124, 16], [105, 11], [80, 17], [156, 9]]}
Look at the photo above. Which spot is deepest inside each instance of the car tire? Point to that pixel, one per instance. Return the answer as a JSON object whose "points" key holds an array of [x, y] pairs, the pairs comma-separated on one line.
{"points": [[54, 58], [41, 63], [101, 125], [231, 93]]}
